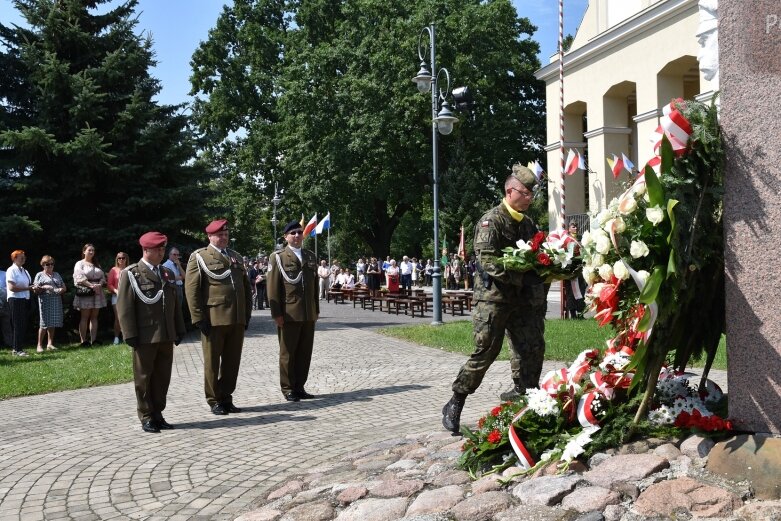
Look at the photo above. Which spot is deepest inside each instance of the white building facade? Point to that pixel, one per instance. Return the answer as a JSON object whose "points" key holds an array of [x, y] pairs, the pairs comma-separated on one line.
{"points": [[629, 59]]}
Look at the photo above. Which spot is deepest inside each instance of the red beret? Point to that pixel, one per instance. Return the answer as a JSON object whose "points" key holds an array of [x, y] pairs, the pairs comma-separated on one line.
{"points": [[152, 240], [217, 226]]}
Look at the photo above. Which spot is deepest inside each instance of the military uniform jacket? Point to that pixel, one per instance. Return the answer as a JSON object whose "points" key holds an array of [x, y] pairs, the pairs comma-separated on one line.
{"points": [[222, 299], [294, 302], [495, 231], [150, 323]]}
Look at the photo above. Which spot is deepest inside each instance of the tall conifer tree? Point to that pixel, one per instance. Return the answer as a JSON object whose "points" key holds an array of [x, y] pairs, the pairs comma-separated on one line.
{"points": [[86, 155]]}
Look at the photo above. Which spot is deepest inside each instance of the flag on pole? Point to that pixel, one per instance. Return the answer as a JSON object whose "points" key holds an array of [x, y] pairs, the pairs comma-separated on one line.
{"points": [[616, 165], [310, 225], [627, 163], [461, 247], [302, 221], [325, 224], [537, 169], [574, 162]]}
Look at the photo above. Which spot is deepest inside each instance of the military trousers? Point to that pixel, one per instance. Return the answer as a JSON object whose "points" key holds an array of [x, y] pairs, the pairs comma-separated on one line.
{"points": [[295, 354], [221, 359], [524, 326], [152, 375]]}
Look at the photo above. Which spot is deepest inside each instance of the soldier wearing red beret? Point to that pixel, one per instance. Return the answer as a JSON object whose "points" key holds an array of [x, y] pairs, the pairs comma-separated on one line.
{"points": [[150, 317], [220, 300]]}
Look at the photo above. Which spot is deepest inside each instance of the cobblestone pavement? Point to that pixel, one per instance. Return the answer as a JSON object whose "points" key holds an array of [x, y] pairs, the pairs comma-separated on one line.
{"points": [[82, 455]]}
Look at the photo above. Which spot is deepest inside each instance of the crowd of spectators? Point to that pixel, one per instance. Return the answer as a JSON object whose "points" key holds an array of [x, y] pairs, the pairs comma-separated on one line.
{"points": [[23, 295]]}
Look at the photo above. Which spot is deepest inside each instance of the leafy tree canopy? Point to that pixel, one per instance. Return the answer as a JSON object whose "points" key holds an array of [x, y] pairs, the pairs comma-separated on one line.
{"points": [[316, 95]]}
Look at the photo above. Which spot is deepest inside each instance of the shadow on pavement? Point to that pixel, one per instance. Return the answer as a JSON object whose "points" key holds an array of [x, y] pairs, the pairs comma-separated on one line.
{"points": [[291, 411]]}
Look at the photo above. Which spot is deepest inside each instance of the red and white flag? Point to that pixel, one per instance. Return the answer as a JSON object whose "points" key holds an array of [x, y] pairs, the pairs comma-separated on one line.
{"points": [[310, 225], [574, 162]]}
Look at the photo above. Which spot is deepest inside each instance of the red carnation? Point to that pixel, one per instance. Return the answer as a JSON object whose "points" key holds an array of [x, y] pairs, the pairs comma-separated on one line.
{"points": [[495, 436], [538, 239], [481, 422], [495, 411], [543, 259]]}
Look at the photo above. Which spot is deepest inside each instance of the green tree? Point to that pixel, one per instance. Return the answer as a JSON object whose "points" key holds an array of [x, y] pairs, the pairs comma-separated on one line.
{"points": [[327, 109], [86, 155]]}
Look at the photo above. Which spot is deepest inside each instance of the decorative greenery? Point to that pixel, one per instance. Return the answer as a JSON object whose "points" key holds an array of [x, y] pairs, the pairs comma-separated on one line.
{"points": [[654, 259]]}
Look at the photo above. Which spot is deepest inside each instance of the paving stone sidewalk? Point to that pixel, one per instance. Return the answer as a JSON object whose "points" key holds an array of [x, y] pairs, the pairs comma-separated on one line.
{"points": [[82, 455]]}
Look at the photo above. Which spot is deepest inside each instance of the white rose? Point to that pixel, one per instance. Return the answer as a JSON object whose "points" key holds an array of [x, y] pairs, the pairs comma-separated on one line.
{"points": [[616, 224], [586, 240], [604, 216], [643, 276], [597, 260], [596, 289], [603, 244], [627, 205], [620, 271], [638, 249], [590, 277], [639, 188], [654, 214], [606, 271]]}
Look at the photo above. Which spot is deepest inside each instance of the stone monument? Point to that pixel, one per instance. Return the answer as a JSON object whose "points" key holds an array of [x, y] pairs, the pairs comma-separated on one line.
{"points": [[749, 41]]}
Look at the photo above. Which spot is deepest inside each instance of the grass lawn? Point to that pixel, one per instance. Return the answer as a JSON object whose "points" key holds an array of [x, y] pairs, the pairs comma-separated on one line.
{"points": [[70, 367], [564, 339]]}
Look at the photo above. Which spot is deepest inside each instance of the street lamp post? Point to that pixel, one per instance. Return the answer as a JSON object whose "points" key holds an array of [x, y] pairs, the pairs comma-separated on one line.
{"points": [[441, 121], [275, 201]]}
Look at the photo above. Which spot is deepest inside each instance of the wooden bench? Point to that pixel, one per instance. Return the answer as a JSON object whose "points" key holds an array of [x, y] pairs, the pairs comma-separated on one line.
{"points": [[453, 303], [415, 304], [362, 299], [334, 294]]}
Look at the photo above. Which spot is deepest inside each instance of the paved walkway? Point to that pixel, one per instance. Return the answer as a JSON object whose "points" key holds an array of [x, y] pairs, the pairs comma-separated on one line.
{"points": [[82, 455]]}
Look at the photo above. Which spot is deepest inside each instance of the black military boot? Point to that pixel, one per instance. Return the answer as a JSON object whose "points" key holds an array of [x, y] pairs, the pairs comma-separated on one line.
{"points": [[451, 413], [513, 394]]}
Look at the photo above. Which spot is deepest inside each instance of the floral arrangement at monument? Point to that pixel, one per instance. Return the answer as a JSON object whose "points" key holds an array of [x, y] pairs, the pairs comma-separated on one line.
{"points": [[553, 257], [654, 262]]}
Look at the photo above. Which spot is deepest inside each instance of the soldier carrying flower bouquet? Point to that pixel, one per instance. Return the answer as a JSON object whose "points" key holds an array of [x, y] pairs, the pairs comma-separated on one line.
{"points": [[505, 300]]}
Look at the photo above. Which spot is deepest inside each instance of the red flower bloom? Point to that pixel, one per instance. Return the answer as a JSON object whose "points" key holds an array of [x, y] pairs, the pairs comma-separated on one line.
{"points": [[481, 422], [495, 411], [495, 436], [538, 239], [543, 259]]}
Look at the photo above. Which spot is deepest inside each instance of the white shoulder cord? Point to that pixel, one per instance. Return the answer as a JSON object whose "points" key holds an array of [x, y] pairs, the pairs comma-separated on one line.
{"points": [[143, 298], [207, 271], [286, 276]]}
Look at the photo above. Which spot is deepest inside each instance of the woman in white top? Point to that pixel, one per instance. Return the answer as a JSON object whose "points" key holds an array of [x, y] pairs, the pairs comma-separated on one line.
{"points": [[20, 284], [87, 275]]}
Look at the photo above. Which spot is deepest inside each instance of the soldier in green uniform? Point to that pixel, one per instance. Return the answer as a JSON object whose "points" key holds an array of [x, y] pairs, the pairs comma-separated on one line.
{"points": [[151, 320], [292, 295], [220, 301], [503, 300]]}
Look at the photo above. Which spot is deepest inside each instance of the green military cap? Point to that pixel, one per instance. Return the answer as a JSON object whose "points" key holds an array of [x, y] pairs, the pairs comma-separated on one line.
{"points": [[525, 176]]}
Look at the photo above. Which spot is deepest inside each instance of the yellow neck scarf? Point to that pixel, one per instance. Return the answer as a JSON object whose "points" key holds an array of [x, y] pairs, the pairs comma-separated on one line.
{"points": [[518, 216]]}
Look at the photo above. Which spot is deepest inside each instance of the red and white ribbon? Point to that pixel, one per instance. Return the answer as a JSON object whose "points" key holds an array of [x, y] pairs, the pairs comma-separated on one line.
{"points": [[525, 459], [553, 380], [586, 416]]}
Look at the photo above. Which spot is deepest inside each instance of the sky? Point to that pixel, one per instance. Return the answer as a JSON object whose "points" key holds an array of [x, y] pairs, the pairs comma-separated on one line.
{"points": [[178, 26]]}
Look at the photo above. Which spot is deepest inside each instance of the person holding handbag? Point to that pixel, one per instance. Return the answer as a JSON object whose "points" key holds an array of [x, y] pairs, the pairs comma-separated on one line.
{"points": [[50, 289], [89, 279]]}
